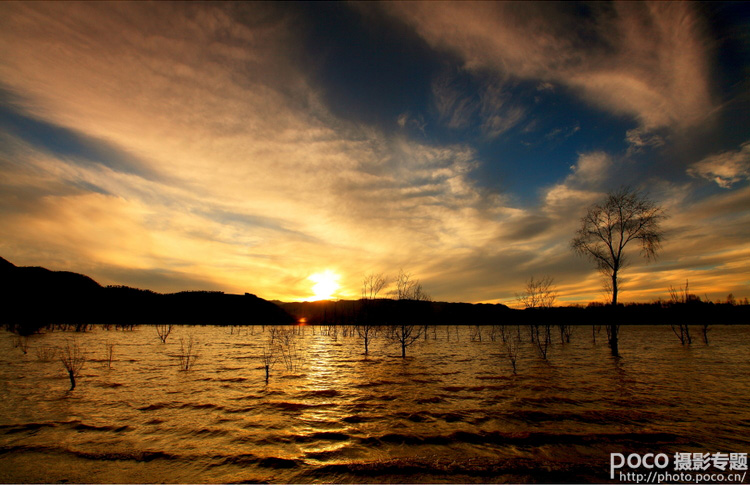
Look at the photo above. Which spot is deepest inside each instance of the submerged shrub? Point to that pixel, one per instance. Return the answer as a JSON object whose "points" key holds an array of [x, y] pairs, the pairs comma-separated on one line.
{"points": [[188, 353], [45, 353], [109, 353], [73, 359], [163, 331]]}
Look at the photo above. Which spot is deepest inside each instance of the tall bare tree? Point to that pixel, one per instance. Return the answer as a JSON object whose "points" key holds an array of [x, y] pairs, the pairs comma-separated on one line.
{"points": [[372, 284], [408, 288], [682, 297], [539, 293], [512, 344], [367, 329], [73, 359], [406, 335], [163, 330], [608, 227]]}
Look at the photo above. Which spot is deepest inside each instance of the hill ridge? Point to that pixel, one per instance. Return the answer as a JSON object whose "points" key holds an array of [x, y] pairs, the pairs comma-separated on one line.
{"points": [[35, 297]]}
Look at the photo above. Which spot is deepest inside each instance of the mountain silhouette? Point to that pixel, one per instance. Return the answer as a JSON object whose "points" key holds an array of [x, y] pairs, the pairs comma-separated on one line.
{"points": [[35, 297]]}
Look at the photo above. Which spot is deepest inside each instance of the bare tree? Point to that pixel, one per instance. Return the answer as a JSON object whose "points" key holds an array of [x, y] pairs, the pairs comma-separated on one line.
{"points": [[613, 337], [608, 227], [287, 347], [682, 297], [163, 331], [73, 359], [594, 330], [367, 329], [682, 331], [22, 342], [565, 333], [403, 285], [372, 284], [45, 353], [418, 293], [269, 359], [503, 333], [542, 335], [406, 335], [407, 288], [539, 293], [109, 353], [188, 354], [268, 355], [512, 343]]}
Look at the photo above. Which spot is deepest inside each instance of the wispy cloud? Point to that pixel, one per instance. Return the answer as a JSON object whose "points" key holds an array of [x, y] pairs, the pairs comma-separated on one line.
{"points": [[726, 169], [580, 188], [499, 113], [640, 138], [455, 108], [406, 120], [563, 133], [492, 108], [199, 151], [261, 186], [645, 60]]}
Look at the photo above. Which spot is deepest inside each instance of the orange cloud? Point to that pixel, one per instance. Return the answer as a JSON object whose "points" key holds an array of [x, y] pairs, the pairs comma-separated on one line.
{"points": [[252, 185]]}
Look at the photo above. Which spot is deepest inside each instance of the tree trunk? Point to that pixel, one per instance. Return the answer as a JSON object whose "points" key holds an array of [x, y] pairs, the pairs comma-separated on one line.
{"points": [[403, 341], [72, 380], [614, 331], [614, 289]]}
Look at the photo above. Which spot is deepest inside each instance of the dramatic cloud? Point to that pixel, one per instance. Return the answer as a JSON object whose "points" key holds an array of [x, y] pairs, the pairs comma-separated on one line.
{"points": [[645, 60], [726, 169], [640, 138], [499, 114], [264, 187], [190, 146], [455, 109], [491, 107], [582, 187]]}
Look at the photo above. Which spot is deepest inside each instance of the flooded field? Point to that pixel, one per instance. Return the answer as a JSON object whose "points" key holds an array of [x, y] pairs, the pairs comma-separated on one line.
{"points": [[451, 411]]}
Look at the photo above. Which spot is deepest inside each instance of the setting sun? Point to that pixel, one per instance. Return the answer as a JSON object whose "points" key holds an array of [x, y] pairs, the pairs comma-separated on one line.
{"points": [[326, 284]]}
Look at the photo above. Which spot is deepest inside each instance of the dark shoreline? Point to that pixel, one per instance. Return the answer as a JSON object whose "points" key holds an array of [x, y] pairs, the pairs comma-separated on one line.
{"points": [[35, 298]]}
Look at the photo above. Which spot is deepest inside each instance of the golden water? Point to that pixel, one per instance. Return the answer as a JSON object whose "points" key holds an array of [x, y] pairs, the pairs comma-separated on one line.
{"points": [[452, 411]]}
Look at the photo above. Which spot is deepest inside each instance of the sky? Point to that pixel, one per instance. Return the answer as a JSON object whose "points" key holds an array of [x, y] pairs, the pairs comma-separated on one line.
{"points": [[281, 148]]}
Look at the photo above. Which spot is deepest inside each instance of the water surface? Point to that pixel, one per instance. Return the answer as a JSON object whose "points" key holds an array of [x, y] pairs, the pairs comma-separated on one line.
{"points": [[452, 411]]}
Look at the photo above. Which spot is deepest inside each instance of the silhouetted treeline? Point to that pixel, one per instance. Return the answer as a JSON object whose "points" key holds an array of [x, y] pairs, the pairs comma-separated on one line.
{"points": [[353, 312], [35, 297], [639, 314], [387, 312]]}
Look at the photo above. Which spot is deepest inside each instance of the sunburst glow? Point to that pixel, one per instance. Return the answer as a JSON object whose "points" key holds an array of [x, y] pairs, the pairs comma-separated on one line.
{"points": [[167, 147], [326, 284]]}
